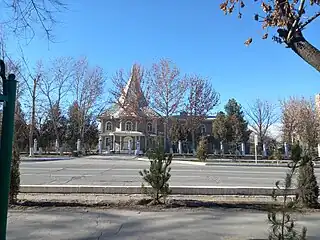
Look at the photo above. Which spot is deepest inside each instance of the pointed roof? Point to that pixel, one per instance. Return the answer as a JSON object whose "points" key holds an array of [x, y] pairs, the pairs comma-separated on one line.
{"points": [[132, 91], [131, 94]]}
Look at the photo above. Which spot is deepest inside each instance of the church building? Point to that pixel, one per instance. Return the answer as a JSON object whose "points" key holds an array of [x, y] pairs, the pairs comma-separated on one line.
{"points": [[123, 130]]}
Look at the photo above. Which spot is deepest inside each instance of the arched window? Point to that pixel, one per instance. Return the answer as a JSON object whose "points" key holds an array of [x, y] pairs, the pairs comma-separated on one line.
{"points": [[149, 127], [108, 126], [202, 129], [128, 126]]}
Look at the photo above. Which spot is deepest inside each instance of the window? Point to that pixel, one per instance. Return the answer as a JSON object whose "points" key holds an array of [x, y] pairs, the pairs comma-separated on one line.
{"points": [[108, 126], [128, 126], [149, 127], [202, 129]]}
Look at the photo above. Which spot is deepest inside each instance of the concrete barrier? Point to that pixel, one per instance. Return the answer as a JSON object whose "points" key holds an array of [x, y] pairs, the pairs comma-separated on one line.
{"points": [[176, 190]]}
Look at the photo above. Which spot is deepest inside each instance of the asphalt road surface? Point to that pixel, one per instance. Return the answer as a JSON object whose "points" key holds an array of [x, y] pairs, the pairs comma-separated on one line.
{"points": [[91, 224], [120, 172]]}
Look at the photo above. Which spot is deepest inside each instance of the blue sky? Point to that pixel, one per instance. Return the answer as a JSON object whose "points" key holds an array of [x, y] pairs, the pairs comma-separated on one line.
{"points": [[194, 34]]}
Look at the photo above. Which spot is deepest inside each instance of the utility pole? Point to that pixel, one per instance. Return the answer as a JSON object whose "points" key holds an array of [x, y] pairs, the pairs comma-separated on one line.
{"points": [[7, 132]]}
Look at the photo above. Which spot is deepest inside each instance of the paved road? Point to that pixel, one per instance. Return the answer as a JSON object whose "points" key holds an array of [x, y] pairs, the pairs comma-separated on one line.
{"points": [[119, 172], [92, 224]]}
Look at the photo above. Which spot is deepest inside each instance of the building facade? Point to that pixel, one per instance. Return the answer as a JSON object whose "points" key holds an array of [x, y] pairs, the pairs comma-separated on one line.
{"points": [[123, 130]]}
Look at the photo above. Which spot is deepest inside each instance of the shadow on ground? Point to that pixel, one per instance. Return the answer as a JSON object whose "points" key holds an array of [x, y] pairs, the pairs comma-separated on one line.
{"points": [[46, 159], [145, 204], [92, 223]]}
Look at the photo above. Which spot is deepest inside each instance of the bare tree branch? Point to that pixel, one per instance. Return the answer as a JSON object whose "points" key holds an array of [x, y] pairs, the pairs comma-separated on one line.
{"points": [[285, 17], [167, 88], [300, 121], [87, 88], [202, 100], [303, 25], [24, 15], [55, 87], [262, 116]]}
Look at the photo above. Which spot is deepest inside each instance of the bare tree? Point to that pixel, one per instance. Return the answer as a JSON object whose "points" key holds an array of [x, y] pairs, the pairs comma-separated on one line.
{"points": [[202, 99], [13, 66], [24, 16], [25, 89], [87, 88], [33, 93], [300, 121], [55, 87], [31, 83], [167, 90], [309, 123], [289, 18], [167, 87], [289, 118], [262, 116]]}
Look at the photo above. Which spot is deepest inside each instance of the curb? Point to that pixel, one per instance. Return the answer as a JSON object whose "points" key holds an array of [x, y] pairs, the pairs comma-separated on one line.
{"points": [[111, 158], [231, 164], [246, 165], [177, 161], [220, 163], [35, 159], [176, 190]]}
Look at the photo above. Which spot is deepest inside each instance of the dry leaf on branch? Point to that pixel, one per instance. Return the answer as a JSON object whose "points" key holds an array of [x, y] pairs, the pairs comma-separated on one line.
{"points": [[248, 42]]}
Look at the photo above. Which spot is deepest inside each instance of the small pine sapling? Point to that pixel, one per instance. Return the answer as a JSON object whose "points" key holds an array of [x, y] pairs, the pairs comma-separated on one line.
{"points": [[280, 216], [202, 153], [157, 176], [307, 184]]}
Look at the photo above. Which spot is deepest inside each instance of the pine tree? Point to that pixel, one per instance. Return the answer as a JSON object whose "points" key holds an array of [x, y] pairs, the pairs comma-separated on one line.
{"points": [[15, 174], [158, 175], [231, 127], [237, 126], [19, 128], [202, 153], [307, 184], [280, 216]]}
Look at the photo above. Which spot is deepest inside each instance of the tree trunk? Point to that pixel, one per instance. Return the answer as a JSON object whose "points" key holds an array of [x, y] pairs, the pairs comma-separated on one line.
{"points": [[33, 118], [305, 50], [193, 143], [165, 142], [56, 131]]}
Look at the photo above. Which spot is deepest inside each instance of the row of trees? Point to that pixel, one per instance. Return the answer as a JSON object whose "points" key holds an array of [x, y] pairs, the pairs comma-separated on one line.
{"points": [[65, 93], [167, 91], [170, 92], [68, 129], [47, 94], [298, 120]]}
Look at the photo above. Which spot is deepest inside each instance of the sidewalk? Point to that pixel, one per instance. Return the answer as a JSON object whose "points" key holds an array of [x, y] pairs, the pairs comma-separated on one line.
{"points": [[175, 224]]}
